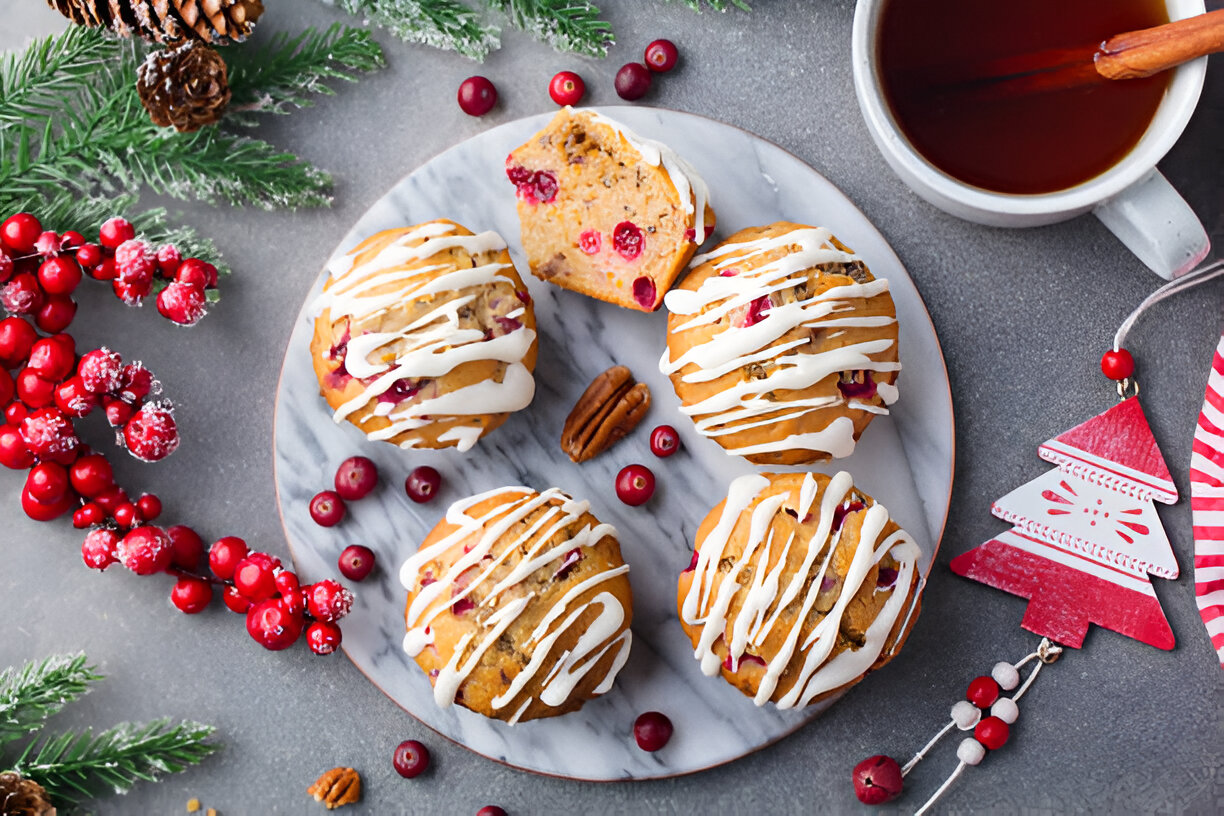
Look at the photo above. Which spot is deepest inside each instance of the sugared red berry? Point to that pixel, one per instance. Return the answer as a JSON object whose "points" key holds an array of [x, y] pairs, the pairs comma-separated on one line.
{"points": [[17, 337], [59, 275], [664, 441], [48, 432], [91, 475], [566, 88], [411, 759], [135, 262], [652, 730], [100, 370], [100, 549], [635, 484], [136, 382], [877, 780], [191, 595], [627, 239], [182, 303], [327, 508], [355, 478], [115, 231], [47, 482], [151, 434], [168, 260], [323, 638], [255, 577], [423, 484], [224, 555], [662, 56], [328, 601], [992, 732], [983, 691], [356, 562], [1117, 364], [72, 398], [146, 550], [14, 453], [196, 271], [477, 96], [188, 547], [273, 626], [632, 81], [22, 295]]}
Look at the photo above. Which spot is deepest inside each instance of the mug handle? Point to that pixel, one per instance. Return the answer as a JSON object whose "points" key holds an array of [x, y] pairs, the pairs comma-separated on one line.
{"points": [[1157, 225]]}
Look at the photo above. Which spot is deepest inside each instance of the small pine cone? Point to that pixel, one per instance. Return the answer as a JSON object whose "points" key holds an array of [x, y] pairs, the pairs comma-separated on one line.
{"points": [[23, 797], [186, 86], [167, 21]]}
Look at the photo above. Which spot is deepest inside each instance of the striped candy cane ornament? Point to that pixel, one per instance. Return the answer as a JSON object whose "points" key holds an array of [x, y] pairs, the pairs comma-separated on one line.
{"points": [[1207, 503]]}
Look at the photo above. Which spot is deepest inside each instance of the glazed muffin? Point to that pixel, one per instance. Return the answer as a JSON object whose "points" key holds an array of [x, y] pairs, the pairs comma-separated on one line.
{"points": [[518, 605], [425, 336], [781, 345], [799, 585], [606, 212]]}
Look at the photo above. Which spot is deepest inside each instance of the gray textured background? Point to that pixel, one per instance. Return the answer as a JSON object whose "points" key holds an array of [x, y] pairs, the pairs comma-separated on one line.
{"points": [[1023, 316]]}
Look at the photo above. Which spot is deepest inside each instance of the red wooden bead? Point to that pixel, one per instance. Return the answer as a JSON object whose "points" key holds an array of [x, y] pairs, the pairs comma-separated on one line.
{"points": [[1117, 364], [983, 691], [992, 732]]}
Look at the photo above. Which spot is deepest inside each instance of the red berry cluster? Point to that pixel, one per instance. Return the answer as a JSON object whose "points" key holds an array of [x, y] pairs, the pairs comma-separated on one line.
{"points": [[40, 269]]}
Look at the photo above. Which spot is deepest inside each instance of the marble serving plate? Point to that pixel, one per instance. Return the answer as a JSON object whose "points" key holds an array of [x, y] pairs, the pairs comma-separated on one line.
{"points": [[904, 460]]}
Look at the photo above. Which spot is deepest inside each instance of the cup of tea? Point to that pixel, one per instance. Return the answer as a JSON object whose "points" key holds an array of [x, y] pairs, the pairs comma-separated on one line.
{"points": [[1028, 159]]}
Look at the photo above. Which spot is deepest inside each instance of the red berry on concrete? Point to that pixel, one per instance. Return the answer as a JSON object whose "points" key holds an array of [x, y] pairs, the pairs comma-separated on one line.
{"points": [[117, 411], [328, 601], [14, 453], [224, 556], [664, 441], [59, 275], [72, 398], [105, 270], [88, 515], [56, 314], [323, 638], [411, 759], [91, 475], [566, 88], [652, 730], [46, 512], [1117, 364], [17, 337], [877, 780], [355, 478], [191, 595], [662, 56], [151, 434], [234, 601], [992, 732], [150, 506], [188, 547], [89, 256], [195, 271], [127, 515], [273, 626], [255, 578], [19, 232], [71, 240], [22, 295], [983, 691], [632, 81], [423, 484], [477, 96], [100, 370], [47, 482], [110, 499], [491, 810], [327, 508], [146, 550], [100, 549], [115, 231], [51, 359], [136, 382], [356, 562], [635, 484], [47, 244], [182, 303], [15, 412]]}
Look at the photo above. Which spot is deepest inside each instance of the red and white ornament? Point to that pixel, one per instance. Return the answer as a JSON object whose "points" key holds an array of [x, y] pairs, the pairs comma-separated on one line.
{"points": [[1207, 504]]}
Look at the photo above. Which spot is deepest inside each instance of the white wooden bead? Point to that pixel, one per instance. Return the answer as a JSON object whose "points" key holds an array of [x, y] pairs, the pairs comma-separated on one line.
{"points": [[1006, 675], [1006, 710], [966, 715], [970, 751]]}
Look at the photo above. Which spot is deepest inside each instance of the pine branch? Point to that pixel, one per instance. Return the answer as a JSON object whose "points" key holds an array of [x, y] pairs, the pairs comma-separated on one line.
{"points": [[29, 696], [282, 73], [34, 82], [77, 767], [718, 5], [566, 25], [444, 24]]}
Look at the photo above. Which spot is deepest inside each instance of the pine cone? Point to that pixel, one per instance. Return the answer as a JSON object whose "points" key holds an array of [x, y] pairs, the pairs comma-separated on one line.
{"points": [[185, 86], [23, 797], [167, 21]]}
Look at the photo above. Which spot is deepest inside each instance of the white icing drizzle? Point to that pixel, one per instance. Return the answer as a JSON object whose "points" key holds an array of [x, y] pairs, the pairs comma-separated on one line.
{"points": [[434, 344], [483, 557], [694, 194], [742, 405], [753, 623]]}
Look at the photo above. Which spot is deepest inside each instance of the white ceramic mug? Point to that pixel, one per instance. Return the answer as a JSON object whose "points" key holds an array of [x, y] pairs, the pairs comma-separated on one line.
{"points": [[1131, 198]]}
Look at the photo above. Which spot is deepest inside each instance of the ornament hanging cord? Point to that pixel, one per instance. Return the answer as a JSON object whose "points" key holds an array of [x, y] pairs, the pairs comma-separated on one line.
{"points": [[1187, 281]]}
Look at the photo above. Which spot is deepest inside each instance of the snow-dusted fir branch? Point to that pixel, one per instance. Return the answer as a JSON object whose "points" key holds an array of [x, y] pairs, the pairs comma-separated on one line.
{"points": [[33, 82], [28, 696], [444, 24], [566, 25]]}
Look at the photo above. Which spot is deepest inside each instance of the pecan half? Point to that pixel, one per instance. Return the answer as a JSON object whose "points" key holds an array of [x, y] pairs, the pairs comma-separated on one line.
{"points": [[607, 411], [337, 787]]}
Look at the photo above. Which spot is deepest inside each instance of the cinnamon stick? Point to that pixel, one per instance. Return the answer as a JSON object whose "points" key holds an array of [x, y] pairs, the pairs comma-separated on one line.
{"points": [[1138, 54]]}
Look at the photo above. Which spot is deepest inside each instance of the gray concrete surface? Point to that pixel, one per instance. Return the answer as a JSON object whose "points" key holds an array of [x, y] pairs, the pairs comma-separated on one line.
{"points": [[1023, 316]]}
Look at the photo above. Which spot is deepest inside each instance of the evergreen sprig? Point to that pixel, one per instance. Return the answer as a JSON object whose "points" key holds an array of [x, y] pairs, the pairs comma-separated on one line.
{"points": [[33, 82], [444, 24], [566, 25], [38, 690], [76, 767], [718, 5]]}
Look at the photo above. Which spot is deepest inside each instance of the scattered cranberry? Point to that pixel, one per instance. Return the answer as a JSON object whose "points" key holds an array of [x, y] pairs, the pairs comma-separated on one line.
{"points": [[224, 555], [22, 295], [662, 56], [150, 506], [17, 337], [100, 549], [323, 638], [72, 398], [182, 303], [664, 441], [1117, 364], [411, 759], [254, 577], [51, 359], [356, 562], [38, 511], [14, 454], [117, 412], [19, 233], [196, 271], [191, 595], [15, 412], [126, 515], [635, 484], [356, 477], [328, 601], [491, 810], [477, 96], [145, 550], [115, 231], [273, 626], [111, 499], [100, 370], [47, 482], [652, 730], [327, 508], [632, 81], [627, 239], [877, 780], [89, 255], [48, 432], [234, 601], [152, 434], [92, 475], [566, 88], [59, 275], [423, 484], [188, 547], [88, 515], [136, 382]]}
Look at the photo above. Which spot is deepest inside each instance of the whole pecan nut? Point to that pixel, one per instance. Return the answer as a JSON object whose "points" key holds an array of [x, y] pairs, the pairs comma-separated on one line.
{"points": [[610, 408], [337, 787]]}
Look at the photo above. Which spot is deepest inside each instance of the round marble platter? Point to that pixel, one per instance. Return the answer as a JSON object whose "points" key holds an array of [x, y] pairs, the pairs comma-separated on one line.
{"points": [[904, 460]]}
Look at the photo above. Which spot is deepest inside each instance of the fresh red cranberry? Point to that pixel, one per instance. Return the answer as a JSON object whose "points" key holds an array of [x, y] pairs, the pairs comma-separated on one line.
{"points": [[290, 591], [411, 759], [188, 547], [877, 780], [150, 506], [22, 295], [423, 484], [477, 96], [47, 482], [644, 292], [273, 626], [132, 292], [652, 730], [19, 232], [255, 577], [632, 81], [52, 359], [194, 270], [355, 478], [327, 508], [146, 550], [356, 562], [127, 515], [627, 239], [664, 441], [100, 370], [234, 601], [662, 56], [15, 412], [151, 434], [89, 255], [17, 337], [117, 411], [6, 265], [328, 601], [168, 260], [92, 475], [46, 512], [48, 244], [59, 275], [8, 388], [72, 398], [1117, 364], [224, 555], [323, 638], [191, 595], [109, 500], [71, 240], [590, 242], [566, 88], [48, 432], [136, 382], [115, 231], [105, 270], [56, 314], [491, 810], [88, 515], [182, 303], [100, 549], [635, 484], [858, 390], [14, 453]]}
